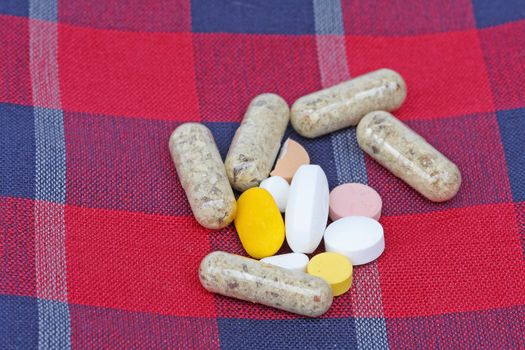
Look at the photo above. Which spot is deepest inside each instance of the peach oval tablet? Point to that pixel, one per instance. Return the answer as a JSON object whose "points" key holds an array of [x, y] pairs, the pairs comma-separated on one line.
{"points": [[354, 199], [292, 156]]}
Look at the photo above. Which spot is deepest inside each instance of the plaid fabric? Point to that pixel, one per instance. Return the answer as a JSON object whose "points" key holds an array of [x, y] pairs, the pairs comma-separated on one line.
{"points": [[98, 245]]}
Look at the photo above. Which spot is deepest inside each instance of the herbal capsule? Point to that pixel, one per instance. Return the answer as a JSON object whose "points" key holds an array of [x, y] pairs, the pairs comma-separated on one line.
{"points": [[343, 105], [257, 141], [251, 280], [408, 156], [202, 175]]}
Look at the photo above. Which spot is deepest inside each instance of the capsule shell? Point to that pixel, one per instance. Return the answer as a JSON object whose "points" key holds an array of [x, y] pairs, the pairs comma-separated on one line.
{"points": [[251, 280], [408, 156], [344, 105], [202, 175], [257, 141]]}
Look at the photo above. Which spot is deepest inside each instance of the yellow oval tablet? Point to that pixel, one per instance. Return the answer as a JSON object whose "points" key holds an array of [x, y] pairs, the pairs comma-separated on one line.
{"points": [[259, 223], [334, 268]]}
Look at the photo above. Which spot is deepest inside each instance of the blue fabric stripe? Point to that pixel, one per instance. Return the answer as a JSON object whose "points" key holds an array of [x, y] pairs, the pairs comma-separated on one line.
{"points": [[498, 328], [328, 17], [17, 156], [54, 326], [491, 13], [14, 7], [349, 158], [18, 322], [54, 323], [252, 16], [43, 9], [371, 333], [50, 155], [512, 131], [336, 333]]}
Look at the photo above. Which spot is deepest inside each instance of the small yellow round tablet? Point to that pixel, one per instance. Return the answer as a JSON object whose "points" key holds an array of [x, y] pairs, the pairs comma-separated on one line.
{"points": [[334, 268]]}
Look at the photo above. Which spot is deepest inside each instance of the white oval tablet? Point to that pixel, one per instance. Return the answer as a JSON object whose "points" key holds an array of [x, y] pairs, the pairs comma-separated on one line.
{"points": [[278, 188], [307, 209], [290, 261], [359, 238]]}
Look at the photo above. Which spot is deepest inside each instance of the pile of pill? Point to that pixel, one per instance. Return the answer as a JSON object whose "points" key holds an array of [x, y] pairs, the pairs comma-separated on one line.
{"points": [[292, 281]]}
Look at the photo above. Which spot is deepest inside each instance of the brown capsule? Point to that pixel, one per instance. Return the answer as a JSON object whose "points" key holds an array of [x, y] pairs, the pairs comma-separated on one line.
{"points": [[343, 105], [251, 280], [257, 141], [202, 175], [408, 156]]}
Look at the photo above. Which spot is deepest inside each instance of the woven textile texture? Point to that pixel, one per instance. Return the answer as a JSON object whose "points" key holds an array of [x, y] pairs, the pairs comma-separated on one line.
{"points": [[98, 246]]}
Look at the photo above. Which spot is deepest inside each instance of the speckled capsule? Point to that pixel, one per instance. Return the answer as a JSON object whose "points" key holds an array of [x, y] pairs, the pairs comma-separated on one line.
{"points": [[202, 175], [408, 156], [257, 141], [251, 280], [343, 105]]}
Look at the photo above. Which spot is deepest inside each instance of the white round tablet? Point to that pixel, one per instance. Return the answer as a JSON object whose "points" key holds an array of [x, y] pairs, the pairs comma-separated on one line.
{"points": [[278, 188], [290, 261], [359, 238]]}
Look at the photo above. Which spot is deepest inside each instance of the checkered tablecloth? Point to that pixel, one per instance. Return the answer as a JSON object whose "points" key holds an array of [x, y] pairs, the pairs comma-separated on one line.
{"points": [[98, 247]]}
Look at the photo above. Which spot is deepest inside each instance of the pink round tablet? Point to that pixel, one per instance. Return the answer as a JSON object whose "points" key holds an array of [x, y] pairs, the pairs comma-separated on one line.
{"points": [[354, 199]]}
